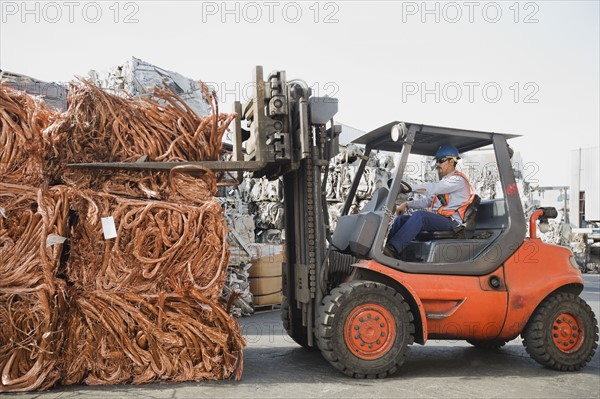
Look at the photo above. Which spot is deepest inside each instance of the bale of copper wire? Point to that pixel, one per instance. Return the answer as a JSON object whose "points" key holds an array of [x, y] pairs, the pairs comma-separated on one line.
{"points": [[22, 146], [111, 277]]}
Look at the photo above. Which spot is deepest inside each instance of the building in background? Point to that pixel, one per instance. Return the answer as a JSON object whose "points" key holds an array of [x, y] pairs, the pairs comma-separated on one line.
{"points": [[585, 187]]}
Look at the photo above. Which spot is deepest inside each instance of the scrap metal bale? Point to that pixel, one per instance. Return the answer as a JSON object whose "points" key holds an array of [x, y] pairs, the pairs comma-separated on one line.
{"points": [[133, 294], [156, 246], [22, 146], [31, 338], [101, 127], [32, 228], [176, 186], [33, 225], [136, 77], [53, 94], [124, 337]]}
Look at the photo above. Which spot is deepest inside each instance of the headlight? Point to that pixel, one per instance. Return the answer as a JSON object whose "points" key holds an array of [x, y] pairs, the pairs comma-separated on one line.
{"points": [[544, 227], [399, 131]]}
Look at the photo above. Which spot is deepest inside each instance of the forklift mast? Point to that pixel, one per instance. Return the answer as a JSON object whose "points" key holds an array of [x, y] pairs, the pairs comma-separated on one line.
{"points": [[284, 131]]}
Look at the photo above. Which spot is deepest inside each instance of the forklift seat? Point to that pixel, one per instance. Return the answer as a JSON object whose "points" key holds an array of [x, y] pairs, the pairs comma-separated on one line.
{"points": [[491, 220], [354, 234], [464, 230]]}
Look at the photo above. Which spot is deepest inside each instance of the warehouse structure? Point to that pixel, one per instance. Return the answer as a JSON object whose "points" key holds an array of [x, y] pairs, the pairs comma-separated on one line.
{"points": [[585, 187]]}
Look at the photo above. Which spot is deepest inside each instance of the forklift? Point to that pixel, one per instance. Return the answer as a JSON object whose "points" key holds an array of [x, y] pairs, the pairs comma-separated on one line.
{"points": [[486, 282]]}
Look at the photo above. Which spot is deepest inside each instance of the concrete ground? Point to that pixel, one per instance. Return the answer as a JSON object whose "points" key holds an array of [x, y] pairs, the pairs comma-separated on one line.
{"points": [[275, 367]]}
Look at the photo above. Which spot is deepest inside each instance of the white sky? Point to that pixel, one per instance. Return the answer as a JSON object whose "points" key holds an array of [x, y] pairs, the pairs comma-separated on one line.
{"points": [[376, 57]]}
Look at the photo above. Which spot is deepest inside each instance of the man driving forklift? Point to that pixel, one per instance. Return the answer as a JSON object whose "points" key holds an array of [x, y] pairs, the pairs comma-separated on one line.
{"points": [[446, 202]]}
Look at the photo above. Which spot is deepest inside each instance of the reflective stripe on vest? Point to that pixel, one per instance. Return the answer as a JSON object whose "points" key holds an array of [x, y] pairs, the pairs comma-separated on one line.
{"points": [[462, 208]]}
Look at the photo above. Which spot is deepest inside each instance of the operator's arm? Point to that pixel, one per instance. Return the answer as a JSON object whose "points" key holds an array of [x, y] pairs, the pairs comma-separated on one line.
{"points": [[446, 185], [419, 203]]}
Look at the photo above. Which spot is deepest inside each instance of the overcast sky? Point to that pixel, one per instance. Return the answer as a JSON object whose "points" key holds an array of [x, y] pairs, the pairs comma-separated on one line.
{"points": [[529, 68]]}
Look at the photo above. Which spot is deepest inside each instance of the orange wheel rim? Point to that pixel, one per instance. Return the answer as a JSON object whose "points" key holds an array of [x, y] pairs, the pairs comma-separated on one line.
{"points": [[567, 333], [369, 331]]}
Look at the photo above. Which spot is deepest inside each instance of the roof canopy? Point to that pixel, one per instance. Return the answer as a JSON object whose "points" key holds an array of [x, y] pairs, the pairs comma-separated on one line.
{"points": [[428, 138]]}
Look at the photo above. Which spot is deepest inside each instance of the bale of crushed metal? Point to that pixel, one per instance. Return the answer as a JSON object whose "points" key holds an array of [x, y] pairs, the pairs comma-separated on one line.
{"points": [[142, 306], [124, 337], [186, 185], [22, 146], [125, 244], [134, 295], [33, 224], [32, 228], [31, 338], [102, 127]]}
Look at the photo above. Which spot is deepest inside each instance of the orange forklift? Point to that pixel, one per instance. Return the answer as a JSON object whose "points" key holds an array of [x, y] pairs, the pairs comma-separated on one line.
{"points": [[485, 282]]}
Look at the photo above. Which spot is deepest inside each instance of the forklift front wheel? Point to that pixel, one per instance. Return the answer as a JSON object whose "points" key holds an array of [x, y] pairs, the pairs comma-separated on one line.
{"points": [[562, 333], [365, 329], [300, 336]]}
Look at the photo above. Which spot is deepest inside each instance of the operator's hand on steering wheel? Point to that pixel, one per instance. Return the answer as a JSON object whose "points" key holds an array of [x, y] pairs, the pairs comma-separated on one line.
{"points": [[401, 208], [405, 188]]}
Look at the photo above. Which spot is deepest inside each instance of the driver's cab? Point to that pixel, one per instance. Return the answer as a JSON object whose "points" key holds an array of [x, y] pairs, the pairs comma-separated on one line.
{"points": [[496, 226]]}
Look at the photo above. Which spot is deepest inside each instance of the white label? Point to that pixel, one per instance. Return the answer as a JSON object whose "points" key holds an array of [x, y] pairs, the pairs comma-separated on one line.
{"points": [[108, 228], [54, 239]]}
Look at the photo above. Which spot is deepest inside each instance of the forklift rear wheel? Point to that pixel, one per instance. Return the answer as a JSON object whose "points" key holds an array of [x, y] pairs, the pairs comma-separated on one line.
{"points": [[489, 344], [562, 333], [364, 329]]}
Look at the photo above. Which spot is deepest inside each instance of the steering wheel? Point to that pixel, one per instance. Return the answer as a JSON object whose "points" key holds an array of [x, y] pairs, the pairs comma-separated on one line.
{"points": [[405, 184]]}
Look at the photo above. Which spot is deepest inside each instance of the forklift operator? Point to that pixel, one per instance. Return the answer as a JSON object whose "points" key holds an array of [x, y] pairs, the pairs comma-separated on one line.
{"points": [[446, 200]]}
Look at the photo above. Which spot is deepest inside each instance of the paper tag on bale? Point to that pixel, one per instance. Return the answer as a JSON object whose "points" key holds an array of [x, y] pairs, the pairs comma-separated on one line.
{"points": [[54, 239], [108, 228]]}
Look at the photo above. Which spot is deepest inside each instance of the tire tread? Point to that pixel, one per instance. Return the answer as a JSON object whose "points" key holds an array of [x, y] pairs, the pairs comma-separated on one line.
{"points": [[329, 308], [542, 350]]}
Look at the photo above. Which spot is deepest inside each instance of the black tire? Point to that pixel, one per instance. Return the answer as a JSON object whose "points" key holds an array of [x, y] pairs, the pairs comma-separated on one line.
{"points": [[489, 344], [357, 308], [300, 337], [562, 315]]}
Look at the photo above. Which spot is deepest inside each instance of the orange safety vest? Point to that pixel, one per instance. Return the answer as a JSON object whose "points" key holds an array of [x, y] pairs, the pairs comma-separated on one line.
{"points": [[446, 199]]}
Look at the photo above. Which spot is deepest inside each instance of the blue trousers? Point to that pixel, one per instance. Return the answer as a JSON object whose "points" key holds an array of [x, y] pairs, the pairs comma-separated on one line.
{"points": [[405, 228]]}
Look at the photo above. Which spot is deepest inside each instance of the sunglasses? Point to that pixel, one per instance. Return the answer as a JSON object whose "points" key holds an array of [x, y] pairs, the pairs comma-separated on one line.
{"points": [[440, 161]]}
